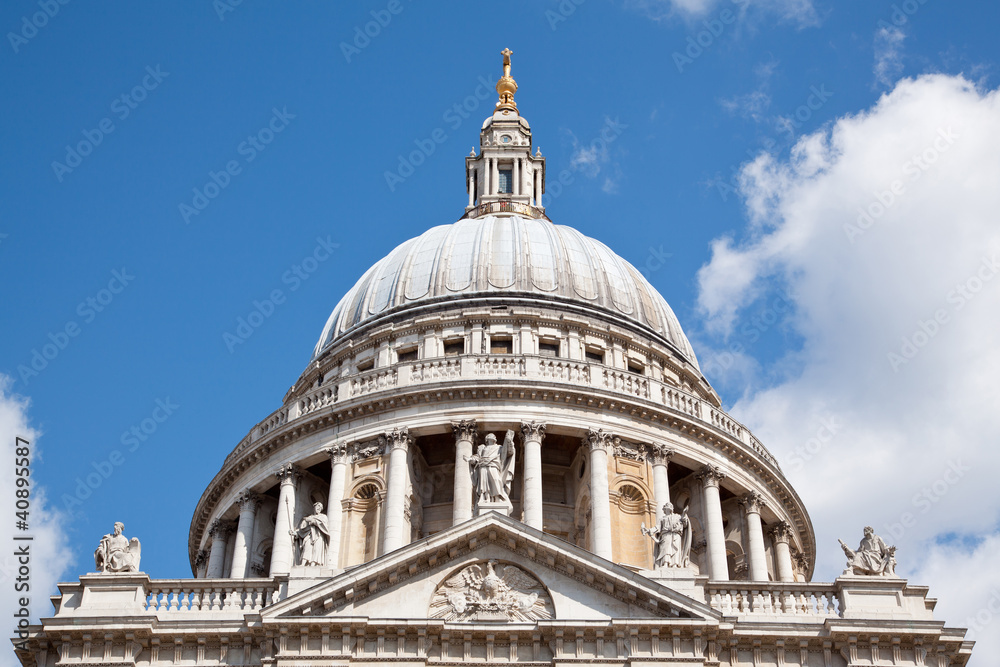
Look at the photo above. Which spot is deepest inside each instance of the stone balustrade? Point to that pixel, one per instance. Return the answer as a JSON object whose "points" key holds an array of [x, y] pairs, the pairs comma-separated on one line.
{"points": [[807, 602], [740, 598], [476, 367], [203, 595]]}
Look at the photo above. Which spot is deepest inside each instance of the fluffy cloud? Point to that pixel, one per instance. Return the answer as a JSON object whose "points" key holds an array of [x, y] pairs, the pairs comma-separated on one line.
{"points": [[876, 245], [49, 553]]}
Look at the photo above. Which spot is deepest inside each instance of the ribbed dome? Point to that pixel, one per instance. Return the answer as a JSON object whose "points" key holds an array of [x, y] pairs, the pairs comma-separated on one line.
{"points": [[508, 256]]}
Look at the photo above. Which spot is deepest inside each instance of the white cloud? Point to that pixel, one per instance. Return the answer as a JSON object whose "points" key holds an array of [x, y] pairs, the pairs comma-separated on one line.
{"points": [[888, 54], [752, 105], [882, 229], [800, 12], [595, 158], [49, 554], [967, 584]]}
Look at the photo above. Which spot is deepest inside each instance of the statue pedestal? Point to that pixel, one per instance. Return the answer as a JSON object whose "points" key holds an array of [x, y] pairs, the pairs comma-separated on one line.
{"points": [[498, 507], [681, 579], [126, 590], [306, 576]]}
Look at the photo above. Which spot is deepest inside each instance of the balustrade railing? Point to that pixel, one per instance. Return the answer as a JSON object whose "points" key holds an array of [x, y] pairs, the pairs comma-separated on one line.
{"points": [[774, 599], [566, 371], [374, 381], [503, 366], [574, 372], [435, 369], [320, 398], [204, 595]]}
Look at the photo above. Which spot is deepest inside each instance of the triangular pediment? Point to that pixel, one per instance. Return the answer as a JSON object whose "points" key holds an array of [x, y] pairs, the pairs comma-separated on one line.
{"points": [[406, 582]]}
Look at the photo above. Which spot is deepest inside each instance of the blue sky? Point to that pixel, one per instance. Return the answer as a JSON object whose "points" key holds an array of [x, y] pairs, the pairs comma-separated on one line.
{"points": [[735, 117]]}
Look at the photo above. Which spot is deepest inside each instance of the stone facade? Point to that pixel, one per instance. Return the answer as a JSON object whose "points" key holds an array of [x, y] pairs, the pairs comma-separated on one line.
{"points": [[565, 347]]}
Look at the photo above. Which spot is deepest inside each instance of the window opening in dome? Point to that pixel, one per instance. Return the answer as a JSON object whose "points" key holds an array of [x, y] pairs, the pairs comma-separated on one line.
{"points": [[407, 355], [548, 348], [453, 348], [635, 367], [595, 355], [366, 365], [501, 345], [506, 181]]}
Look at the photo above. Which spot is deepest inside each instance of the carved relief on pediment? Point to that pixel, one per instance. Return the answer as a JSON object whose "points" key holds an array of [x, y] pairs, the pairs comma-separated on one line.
{"points": [[491, 591]]}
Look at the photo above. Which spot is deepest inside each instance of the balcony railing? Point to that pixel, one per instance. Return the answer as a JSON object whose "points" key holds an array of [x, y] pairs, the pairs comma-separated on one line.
{"points": [[575, 373]]}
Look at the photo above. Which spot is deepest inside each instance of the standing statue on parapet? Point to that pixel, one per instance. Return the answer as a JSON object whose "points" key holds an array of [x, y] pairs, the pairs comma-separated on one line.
{"points": [[116, 553], [492, 469], [873, 557], [673, 538], [313, 538]]}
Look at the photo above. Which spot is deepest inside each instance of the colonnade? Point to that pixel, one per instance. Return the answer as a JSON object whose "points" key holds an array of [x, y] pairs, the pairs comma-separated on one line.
{"points": [[599, 446]]}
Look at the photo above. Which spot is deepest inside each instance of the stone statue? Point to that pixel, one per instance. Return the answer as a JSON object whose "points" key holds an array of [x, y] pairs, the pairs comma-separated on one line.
{"points": [[312, 538], [873, 557], [117, 553], [673, 538], [492, 469]]}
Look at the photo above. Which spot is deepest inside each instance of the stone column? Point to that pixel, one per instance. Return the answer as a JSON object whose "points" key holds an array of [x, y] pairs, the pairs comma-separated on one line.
{"points": [[281, 548], [599, 442], [465, 440], [487, 175], [781, 533], [219, 530], [752, 503], [398, 441], [334, 504], [515, 186], [472, 187], [533, 433], [660, 456], [714, 534], [249, 502], [538, 187]]}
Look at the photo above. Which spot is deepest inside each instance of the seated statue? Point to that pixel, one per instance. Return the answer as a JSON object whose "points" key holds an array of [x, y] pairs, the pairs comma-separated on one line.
{"points": [[116, 553], [872, 558]]}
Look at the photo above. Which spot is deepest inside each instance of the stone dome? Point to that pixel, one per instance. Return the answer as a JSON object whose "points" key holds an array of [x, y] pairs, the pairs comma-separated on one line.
{"points": [[503, 259]]}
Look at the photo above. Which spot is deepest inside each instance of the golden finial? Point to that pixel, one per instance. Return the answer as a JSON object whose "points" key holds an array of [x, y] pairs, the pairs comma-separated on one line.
{"points": [[506, 86]]}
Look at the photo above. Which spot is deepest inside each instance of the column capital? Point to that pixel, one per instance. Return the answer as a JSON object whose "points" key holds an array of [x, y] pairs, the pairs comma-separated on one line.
{"points": [[711, 475], [781, 532], [397, 438], [338, 453], [533, 431], [288, 473], [801, 561], [660, 454], [248, 501], [464, 429], [598, 438], [752, 502], [200, 559], [220, 529]]}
